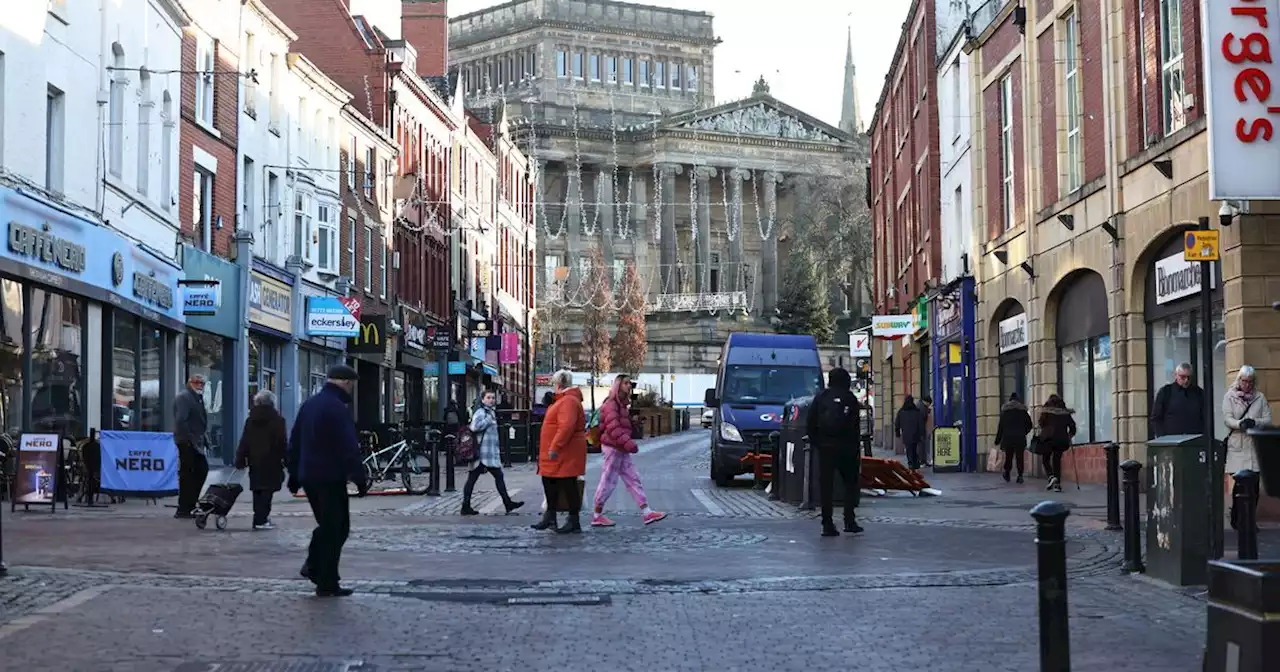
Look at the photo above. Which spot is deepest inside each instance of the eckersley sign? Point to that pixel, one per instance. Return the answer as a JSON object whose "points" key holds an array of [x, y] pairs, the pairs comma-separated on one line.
{"points": [[1243, 103]]}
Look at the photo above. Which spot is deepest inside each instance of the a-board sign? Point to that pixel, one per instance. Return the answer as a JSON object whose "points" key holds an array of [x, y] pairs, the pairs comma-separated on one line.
{"points": [[946, 449]]}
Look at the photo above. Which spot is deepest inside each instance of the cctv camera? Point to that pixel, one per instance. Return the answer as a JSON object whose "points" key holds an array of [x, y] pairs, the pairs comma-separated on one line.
{"points": [[1226, 214]]}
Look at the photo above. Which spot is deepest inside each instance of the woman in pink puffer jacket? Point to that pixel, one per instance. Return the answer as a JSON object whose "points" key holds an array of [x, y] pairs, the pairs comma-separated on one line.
{"points": [[618, 446]]}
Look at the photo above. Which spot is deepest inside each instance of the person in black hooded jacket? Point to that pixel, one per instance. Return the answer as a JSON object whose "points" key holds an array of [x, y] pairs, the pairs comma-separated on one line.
{"points": [[1011, 434], [909, 426], [832, 426]]}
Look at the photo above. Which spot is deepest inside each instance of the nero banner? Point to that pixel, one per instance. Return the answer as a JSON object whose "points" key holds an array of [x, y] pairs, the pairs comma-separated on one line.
{"points": [[139, 464]]}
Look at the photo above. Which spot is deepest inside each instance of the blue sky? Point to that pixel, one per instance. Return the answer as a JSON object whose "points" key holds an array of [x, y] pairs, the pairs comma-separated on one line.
{"points": [[800, 51]]}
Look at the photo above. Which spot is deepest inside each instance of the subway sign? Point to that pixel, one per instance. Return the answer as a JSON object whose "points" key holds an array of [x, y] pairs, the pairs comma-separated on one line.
{"points": [[893, 326]]}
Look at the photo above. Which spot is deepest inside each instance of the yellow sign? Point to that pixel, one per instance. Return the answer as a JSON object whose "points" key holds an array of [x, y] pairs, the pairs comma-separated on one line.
{"points": [[1200, 246], [946, 448]]}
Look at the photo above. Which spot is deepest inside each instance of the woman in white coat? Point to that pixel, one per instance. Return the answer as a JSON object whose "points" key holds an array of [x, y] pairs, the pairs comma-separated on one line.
{"points": [[1243, 408]]}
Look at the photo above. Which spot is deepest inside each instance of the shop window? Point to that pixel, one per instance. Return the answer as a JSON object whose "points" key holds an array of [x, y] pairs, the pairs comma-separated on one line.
{"points": [[264, 367], [398, 405], [1176, 339], [124, 373], [57, 371], [1013, 379], [12, 353], [313, 367], [150, 374], [205, 357], [1085, 386]]}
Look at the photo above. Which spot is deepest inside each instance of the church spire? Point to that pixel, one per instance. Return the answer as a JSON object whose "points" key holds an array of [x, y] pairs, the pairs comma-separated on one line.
{"points": [[850, 117]]}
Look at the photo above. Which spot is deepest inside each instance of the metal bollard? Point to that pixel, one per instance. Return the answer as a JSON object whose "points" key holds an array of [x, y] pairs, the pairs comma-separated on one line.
{"points": [[807, 501], [1113, 487], [1132, 518], [1051, 567], [866, 446], [449, 450], [1245, 497], [433, 485]]}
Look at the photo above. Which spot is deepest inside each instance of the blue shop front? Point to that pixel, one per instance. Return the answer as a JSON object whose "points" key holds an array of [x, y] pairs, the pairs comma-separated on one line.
{"points": [[210, 291], [89, 325], [953, 313]]}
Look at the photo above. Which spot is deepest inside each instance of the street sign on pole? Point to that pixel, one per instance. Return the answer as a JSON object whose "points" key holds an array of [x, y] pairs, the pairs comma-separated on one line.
{"points": [[859, 344]]}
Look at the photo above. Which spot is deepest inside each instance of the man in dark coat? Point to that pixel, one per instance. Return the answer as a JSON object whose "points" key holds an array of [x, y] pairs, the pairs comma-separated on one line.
{"points": [[1179, 406], [190, 423], [832, 426], [324, 454], [909, 426], [1011, 434], [263, 448]]}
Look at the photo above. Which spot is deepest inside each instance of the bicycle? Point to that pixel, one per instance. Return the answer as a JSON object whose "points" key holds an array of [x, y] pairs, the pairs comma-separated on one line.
{"points": [[400, 458]]}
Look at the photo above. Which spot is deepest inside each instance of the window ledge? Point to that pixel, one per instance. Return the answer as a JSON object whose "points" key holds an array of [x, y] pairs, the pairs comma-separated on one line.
{"points": [[1081, 193], [1162, 146], [208, 128]]}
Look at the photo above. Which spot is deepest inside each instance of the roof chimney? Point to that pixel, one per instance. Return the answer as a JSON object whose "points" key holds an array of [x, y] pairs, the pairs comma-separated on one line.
{"points": [[425, 25]]}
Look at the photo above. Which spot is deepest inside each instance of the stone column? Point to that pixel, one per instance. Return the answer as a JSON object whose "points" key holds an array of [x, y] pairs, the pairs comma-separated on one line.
{"points": [[667, 220], [769, 246], [703, 174], [736, 275], [638, 212], [573, 205], [603, 191]]}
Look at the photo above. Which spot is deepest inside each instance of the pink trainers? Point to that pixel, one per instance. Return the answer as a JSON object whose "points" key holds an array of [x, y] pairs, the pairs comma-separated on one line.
{"points": [[653, 517], [599, 520]]}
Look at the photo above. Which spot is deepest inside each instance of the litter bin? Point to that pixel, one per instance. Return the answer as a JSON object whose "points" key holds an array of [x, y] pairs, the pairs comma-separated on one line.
{"points": [[1178, 508], [789, 476], [513, 428], [1242, 596]]}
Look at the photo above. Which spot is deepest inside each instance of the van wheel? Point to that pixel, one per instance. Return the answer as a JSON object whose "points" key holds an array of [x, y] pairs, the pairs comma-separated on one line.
{"points": [[723, 480]]}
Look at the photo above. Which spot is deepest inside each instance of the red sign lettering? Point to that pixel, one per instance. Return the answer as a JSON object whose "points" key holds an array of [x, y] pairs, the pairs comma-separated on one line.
{"points": [[1251, 82]]}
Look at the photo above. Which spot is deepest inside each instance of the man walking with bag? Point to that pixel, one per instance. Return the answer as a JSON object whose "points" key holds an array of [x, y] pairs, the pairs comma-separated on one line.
{"points": [[833, 430], [324, 454], [190, 422]]}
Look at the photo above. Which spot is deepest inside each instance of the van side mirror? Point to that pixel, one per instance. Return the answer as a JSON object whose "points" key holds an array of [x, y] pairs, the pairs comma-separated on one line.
{"points": [[710, 400]]}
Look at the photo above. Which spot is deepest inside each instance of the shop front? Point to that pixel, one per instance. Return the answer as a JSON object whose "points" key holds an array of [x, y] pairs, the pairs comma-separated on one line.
{"points": [[1083, 341], [954, 367], [270, 336], [76, 295], [411, 365], [210, 291], [1174, 326], [328, 321], [367, 353], [1013, 340]]}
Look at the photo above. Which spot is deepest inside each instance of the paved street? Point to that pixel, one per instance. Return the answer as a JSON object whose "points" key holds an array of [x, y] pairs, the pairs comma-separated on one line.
{"points": [[729, 581]]}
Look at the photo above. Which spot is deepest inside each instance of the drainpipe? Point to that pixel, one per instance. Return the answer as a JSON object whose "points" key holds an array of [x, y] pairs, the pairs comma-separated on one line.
{"points": [[100, 190], [1113, 179]]}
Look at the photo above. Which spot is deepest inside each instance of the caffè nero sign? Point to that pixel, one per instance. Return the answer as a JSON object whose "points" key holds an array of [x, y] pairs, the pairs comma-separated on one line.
{"points": [[1013, 333], [42, 245], [1177, 278]]}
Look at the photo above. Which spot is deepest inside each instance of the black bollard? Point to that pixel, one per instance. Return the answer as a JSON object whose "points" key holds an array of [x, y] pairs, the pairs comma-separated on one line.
{"points": [[433, 454], [1245, 494], [449, 450], [775, 463], [1113, 487], [1132, 518], [1051, 567]]}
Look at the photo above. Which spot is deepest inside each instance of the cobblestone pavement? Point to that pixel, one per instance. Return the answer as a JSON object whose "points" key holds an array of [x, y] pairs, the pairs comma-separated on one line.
{"points": [[729, 581], [1117, 626]]}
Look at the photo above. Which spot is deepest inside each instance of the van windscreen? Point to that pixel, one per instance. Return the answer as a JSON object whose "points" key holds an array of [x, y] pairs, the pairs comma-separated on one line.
{"points": [[773, 385]]}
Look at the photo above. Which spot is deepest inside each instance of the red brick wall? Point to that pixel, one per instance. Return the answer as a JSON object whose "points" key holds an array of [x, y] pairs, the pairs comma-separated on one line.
{"points": [[992, 159], [1093, 126], [999, 45], [327, 35], [356, 204], [915, 220], [226, 116], [425, 24], [1048, 119]]}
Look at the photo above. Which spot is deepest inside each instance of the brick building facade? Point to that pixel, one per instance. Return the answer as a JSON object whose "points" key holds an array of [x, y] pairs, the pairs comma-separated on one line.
{"points": [[905, 205]]}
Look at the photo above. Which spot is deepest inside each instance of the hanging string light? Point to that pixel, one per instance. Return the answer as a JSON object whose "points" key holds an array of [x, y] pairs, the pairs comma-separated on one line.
{"points": [[621, 214]]}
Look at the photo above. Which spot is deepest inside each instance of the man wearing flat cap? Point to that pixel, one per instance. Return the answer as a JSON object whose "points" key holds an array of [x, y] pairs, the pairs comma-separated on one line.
{"points": [[324, 455]]}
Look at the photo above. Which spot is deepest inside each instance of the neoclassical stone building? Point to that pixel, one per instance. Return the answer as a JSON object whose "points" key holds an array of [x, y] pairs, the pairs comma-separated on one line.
{"points": [[616, 103]]}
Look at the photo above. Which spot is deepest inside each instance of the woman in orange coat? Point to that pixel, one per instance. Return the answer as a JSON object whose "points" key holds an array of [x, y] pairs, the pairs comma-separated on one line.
{"points": [[563, 453]]}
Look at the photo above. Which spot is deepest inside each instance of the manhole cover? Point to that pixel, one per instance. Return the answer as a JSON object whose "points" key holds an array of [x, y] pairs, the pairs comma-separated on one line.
{"points": [[520, 540]]}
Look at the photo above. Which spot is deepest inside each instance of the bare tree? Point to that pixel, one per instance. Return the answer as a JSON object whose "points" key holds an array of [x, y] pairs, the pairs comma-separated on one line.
{"points": [[630, 343], [597, 314], [831, 225]]}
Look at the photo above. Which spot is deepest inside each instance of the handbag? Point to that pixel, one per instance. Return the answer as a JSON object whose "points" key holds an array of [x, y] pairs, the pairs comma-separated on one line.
{"points": [[467, 442], [1035, 446]]}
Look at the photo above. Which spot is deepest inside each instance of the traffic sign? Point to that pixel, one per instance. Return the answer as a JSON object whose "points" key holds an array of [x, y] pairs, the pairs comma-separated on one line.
{"points": [[1200, 246], [859, 345]]}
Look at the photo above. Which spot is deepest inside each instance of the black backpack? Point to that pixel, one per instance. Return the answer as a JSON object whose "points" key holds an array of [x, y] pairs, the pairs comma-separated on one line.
{"points": [[835, 411]]}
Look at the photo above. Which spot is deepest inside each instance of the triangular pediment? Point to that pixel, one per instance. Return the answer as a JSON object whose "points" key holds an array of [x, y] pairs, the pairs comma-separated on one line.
{"points": [[758, 116]]}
